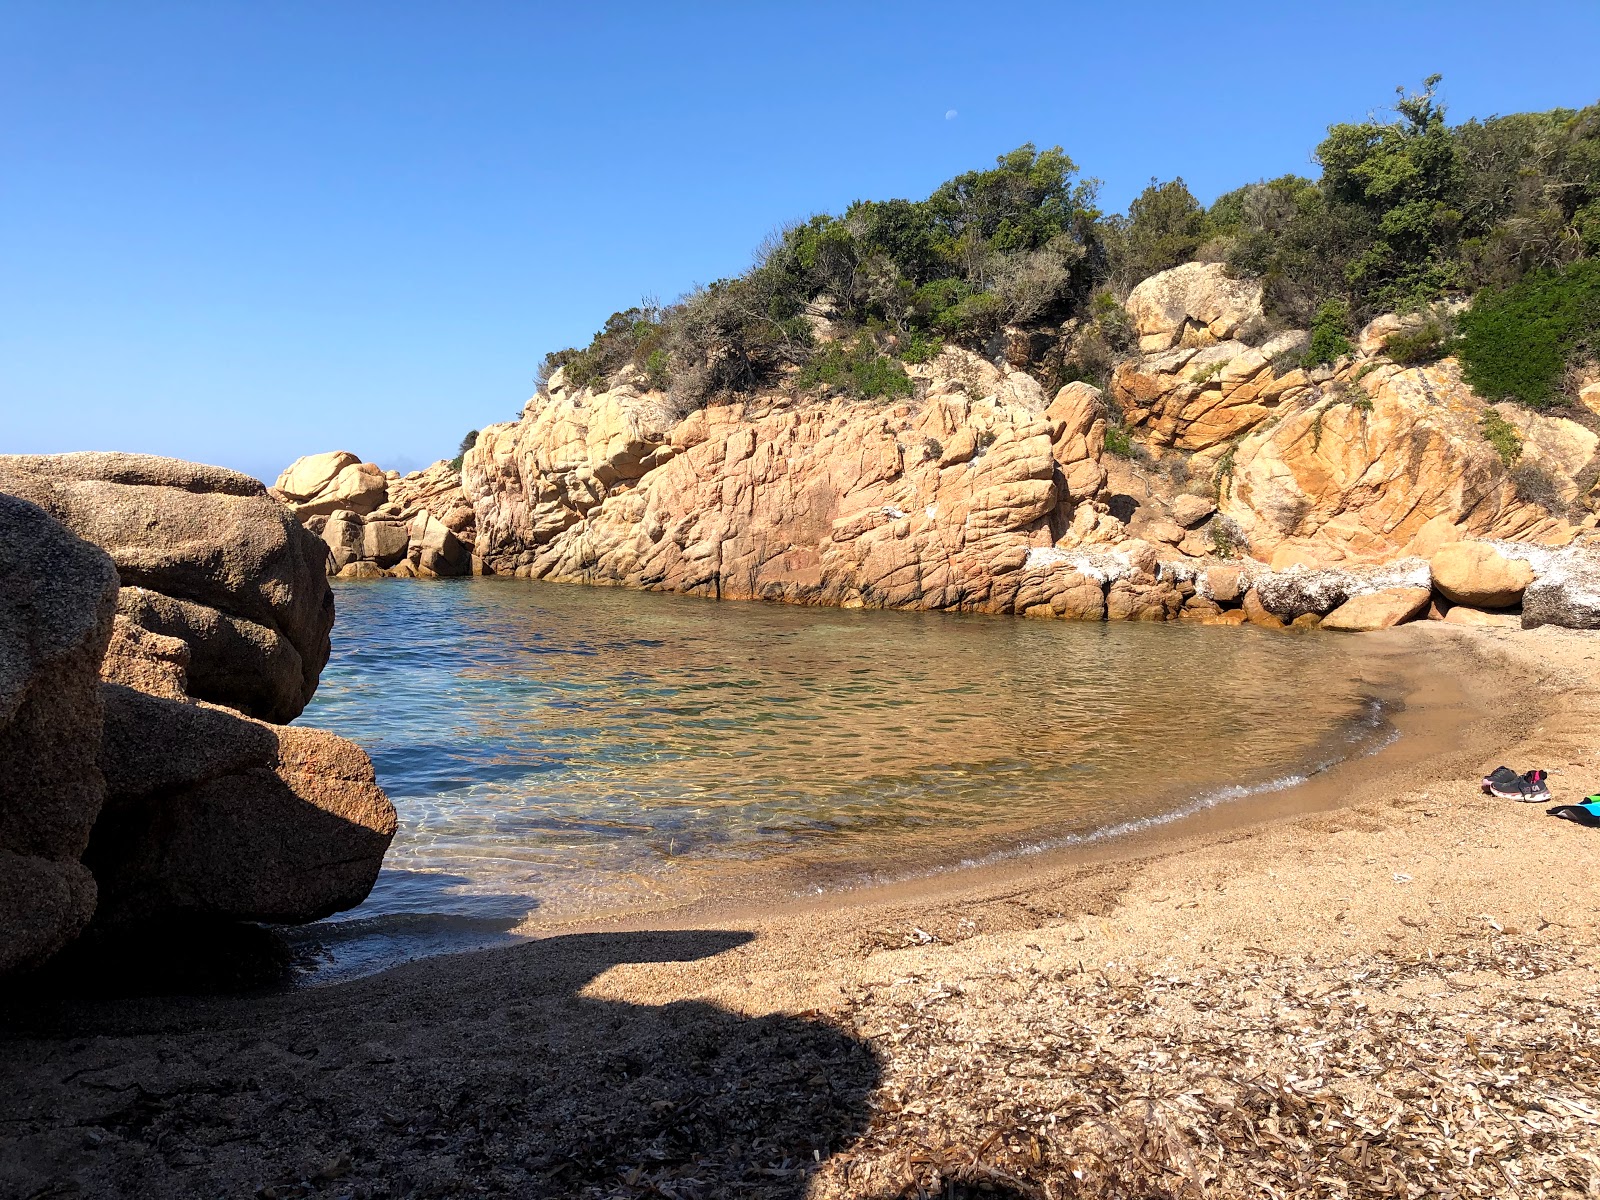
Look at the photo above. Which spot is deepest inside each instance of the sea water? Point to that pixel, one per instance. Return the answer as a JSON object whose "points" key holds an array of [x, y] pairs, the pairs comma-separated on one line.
{"points": [[557, 751]]}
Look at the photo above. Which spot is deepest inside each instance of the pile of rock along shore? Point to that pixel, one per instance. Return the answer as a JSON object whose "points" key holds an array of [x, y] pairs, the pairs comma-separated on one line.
{"points": [[160, 622], [1241, 486]]}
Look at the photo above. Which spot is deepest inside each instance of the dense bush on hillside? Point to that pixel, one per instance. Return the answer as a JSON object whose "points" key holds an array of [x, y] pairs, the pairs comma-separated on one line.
{"points": [[1518, 342], [1408, 211]]}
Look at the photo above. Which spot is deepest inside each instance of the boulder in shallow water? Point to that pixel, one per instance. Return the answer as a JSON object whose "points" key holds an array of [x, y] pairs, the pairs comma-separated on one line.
{"points": [[57, 601], [1378, 610], [435, 548], [204, 555], [212, 815]]}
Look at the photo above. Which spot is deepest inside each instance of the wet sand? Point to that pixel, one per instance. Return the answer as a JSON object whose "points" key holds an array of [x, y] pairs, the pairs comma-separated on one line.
{"points": [[1384, 983]]}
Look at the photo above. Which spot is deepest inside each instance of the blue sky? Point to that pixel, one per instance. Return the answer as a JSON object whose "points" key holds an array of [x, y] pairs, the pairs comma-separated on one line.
{"points": [[240, 232]]}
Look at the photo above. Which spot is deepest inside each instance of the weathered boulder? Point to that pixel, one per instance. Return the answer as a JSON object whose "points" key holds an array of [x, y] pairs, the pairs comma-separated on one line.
{"points": [[384, 543], [1225, 585], [206, 556], [1078, 439], [149, 662], [1196, 304], [1378, 610], [1462, 614], [209, 814], [1190, 511], [437, 550], [1562, 598], [1477, 574], [1256, 613], [312, 473], [323, 483], [1289, 594], [345, 534], [57, 601]]}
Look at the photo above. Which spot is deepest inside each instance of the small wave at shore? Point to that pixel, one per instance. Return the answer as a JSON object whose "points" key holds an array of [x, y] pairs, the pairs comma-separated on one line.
{"points": [[1370, 733]]}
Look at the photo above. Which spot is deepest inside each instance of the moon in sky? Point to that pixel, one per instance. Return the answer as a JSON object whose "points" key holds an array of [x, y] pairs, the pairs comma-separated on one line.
{"points": [[950, 114]]}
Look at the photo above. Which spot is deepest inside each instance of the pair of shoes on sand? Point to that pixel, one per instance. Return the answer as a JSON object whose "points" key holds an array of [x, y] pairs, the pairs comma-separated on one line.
{"points": [[1530, 788], [1534, 787]]}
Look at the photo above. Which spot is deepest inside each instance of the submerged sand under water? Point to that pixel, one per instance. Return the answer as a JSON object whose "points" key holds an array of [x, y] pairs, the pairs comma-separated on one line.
{"points": [[559, 752]]}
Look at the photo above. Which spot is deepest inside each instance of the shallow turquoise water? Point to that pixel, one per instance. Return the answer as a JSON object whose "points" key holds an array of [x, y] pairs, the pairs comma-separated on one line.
{"points": [[558, 750]]}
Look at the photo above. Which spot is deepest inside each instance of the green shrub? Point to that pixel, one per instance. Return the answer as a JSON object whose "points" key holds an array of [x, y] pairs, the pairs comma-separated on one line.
{"points": [[1208, 372], [467, 443], [1164, 227], [1119, 442], [1502, 435], [1328, 330], [1227, 539], [657, 370], [1427, 343], [918, 348], [857, 368], [1517, 342], [1535, 485], [1222, 473]]}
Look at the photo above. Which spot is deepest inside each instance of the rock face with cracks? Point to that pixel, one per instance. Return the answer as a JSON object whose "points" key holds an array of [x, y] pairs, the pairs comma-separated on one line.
{"points": [[205, 556], [57, 599], [1196, 304], [123, 799], [950, 502], [1367, 470]]}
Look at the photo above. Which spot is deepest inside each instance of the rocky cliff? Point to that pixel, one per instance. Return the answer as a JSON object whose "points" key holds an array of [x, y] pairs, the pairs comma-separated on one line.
{"points": [[152, 613], [981, 492]]}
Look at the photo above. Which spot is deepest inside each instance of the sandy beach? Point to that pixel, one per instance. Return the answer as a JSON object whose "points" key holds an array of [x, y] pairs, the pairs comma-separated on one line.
{"points": [[1383, 987]]}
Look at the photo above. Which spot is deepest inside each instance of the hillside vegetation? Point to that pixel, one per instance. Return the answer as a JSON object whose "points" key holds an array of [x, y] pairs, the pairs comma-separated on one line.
{"points": [[1409, 213]]}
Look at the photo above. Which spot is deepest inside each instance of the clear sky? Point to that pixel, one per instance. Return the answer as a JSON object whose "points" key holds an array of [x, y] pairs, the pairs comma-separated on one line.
{"points": [[241, 232]]}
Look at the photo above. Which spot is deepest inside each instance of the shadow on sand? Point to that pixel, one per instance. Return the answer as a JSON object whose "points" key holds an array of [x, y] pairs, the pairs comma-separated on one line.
{"points": [[480, 1074]]}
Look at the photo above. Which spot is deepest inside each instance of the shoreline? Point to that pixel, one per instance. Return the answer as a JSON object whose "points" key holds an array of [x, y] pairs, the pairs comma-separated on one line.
{"points": [[1007, 1030], [1427, 711]]}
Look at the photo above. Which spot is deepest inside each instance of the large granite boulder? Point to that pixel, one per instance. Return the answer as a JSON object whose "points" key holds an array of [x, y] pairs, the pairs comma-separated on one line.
{"points": [[1566, 592], [213, 815], [1476, 573], [205, 555], [1196, 304], [57, 600], [1378, 610], [319, 484]]}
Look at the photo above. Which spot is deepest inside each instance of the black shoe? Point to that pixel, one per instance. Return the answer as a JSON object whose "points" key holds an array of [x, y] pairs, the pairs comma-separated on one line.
{"points": [[1531, 788]]}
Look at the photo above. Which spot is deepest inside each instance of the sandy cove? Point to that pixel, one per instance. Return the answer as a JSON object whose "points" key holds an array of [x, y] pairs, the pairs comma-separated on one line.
{"points": [[1395, 996]]}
